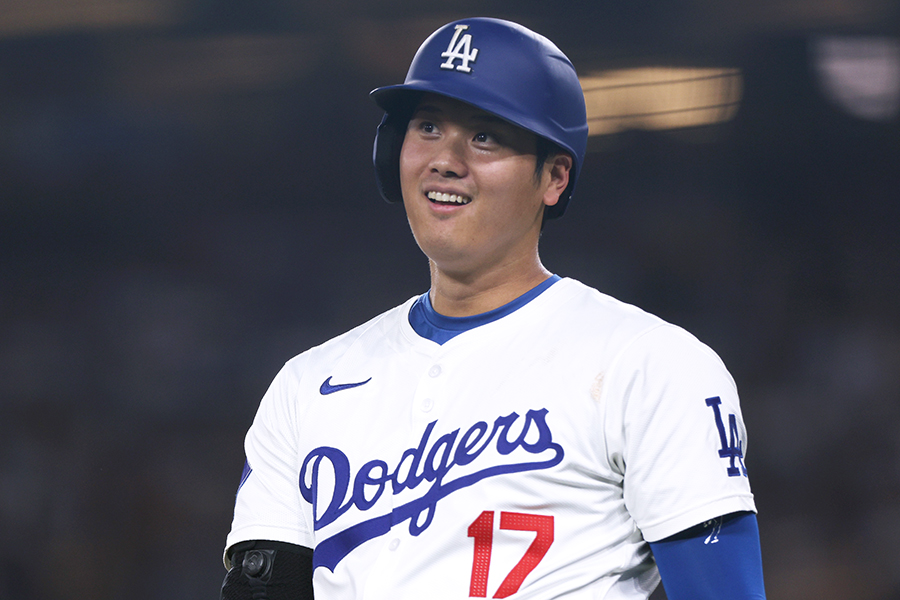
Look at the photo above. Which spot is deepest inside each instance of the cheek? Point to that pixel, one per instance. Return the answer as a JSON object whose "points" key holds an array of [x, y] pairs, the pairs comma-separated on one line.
{"points": [[403, 164], [411, 158], [408, 174], [514, 181]]}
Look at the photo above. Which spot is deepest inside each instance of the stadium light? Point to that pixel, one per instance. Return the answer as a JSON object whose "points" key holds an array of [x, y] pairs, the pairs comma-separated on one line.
{"points": [[656, 98]]}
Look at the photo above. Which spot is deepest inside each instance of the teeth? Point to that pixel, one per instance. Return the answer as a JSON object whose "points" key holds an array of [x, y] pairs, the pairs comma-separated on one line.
{"points": [[448, 198]]}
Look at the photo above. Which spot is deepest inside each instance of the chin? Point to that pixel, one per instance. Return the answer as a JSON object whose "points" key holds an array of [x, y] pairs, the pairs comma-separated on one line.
{"points": [[447, 256]]}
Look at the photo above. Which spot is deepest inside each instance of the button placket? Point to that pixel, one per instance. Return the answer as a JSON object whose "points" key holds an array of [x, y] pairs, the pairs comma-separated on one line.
{"points": [[428, 393]]}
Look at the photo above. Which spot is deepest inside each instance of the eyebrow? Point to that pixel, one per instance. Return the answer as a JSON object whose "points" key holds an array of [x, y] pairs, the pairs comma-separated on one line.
{"points": [[488, 118], [427, 108], [481, 117]]}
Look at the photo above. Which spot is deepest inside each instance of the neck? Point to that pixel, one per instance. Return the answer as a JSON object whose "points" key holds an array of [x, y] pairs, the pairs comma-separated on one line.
{"points": [[455, 295]]}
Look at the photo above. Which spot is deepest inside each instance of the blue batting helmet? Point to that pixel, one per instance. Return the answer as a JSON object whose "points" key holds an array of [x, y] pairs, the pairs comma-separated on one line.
{"points": [[500, 67]]}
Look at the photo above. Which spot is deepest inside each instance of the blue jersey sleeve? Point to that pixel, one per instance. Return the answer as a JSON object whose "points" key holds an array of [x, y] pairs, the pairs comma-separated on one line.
{"points": [[718, 559]]}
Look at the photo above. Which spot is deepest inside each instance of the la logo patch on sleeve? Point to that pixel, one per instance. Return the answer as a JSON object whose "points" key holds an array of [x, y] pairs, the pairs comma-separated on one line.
{"points": [[732, 448]]}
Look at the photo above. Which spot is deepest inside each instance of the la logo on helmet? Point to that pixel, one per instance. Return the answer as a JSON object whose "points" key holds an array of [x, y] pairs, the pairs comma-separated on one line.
{"points": [[460, 48]]}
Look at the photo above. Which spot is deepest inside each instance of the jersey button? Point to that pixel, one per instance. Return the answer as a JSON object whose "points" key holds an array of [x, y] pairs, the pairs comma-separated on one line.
{"points": [[427, 404], [434, 371], [393, 545]]}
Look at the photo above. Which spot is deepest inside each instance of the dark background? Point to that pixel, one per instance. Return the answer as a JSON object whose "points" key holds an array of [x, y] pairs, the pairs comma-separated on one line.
{"points": [[187, 200]]}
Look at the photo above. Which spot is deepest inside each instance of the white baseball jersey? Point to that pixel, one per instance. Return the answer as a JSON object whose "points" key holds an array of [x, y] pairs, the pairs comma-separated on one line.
{"points": [[531, 456]]}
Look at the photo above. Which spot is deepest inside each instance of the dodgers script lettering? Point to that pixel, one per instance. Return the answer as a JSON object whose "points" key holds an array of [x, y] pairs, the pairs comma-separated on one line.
{"points": [[430, 461]]}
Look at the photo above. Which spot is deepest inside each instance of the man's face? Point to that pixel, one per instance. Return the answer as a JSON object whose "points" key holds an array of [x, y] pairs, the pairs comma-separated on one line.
{"points": [[469, 187]]}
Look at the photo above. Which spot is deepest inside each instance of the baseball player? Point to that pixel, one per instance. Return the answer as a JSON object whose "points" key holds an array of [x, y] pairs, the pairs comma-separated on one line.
{"points": [[510, 433]]}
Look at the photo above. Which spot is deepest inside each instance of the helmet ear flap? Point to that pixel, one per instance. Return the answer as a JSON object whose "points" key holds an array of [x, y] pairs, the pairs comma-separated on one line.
{"points": [[386, 154]]}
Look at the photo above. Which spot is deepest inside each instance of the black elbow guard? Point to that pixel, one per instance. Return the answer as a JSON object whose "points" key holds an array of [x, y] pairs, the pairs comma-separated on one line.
{"points": [[263, 570]]}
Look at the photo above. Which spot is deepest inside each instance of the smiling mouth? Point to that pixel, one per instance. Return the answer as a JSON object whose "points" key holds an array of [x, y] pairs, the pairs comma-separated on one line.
{"points": [[454, 199]]}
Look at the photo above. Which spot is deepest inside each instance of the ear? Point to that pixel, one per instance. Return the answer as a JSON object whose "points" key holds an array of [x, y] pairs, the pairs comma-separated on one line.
{"points": [[559, 167]]}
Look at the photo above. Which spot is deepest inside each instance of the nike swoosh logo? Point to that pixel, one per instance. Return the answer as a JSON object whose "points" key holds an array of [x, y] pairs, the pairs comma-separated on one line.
{"points": [[329, 388]]}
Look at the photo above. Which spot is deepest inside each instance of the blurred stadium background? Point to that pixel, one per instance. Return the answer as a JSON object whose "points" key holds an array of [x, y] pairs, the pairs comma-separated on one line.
{"points": [[187, 200]]}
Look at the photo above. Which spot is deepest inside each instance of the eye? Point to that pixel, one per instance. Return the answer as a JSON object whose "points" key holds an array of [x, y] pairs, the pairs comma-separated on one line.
{"points": [[424, 126], [487, 140]]}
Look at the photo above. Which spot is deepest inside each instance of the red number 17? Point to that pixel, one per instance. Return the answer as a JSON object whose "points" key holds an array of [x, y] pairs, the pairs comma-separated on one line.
{"points": [[482, 529]]}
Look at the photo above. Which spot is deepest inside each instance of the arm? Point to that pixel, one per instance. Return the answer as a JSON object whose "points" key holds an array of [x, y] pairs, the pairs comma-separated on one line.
{"points": [[683, 449], [264, 570], [718, 559], [268, 553]]}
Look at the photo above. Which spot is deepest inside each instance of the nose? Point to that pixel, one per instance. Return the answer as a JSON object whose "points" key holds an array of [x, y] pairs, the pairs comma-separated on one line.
{"points": [[449, 157]]}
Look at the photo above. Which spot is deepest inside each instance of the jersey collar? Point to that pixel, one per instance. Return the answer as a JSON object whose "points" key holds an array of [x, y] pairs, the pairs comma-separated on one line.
{"points": [[440, 329]]}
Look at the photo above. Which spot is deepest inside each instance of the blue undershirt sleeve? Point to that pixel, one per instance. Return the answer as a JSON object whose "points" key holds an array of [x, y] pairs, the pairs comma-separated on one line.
{"points": [[718, 559]]}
